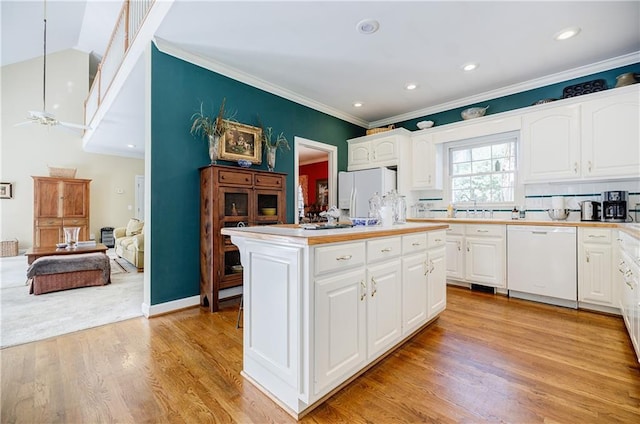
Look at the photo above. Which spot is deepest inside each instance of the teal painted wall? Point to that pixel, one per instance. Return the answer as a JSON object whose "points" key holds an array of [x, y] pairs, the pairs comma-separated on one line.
{"points": [[519, 100], [177, 87]]}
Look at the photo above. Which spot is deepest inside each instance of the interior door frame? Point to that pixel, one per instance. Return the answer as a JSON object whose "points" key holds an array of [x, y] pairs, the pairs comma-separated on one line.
{"points": [[332, 172]]}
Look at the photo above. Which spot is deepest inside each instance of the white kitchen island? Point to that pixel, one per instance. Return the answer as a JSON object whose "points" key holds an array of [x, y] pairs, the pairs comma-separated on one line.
{"points": [[322, 306]]}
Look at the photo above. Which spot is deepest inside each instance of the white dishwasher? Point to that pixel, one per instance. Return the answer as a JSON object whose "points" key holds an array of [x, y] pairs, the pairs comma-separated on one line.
{"points": [[541, 264]]}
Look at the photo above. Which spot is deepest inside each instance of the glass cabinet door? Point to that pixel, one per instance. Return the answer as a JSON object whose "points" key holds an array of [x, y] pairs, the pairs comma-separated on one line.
{"points": [[235, 204], [268, 205]]}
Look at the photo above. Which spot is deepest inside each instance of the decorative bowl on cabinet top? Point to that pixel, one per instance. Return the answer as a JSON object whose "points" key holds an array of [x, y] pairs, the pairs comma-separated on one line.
{"points": [[424, 124], [473, 112]]}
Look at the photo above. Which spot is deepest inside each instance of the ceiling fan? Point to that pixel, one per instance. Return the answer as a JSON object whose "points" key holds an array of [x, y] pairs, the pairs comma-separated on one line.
{"points": [[43, 117]]}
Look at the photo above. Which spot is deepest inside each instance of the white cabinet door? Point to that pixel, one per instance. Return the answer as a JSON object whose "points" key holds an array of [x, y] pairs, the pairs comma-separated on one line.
{"points": [[437, 296], [551, 144], [610, 136], [359, 156], [414, 292], [384, 150], [424, 166], [384, 320], [455, 257], [595, 284], [340, 327], [485, 261]]}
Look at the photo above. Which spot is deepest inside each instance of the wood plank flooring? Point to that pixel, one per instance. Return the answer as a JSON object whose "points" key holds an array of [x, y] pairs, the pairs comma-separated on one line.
{"points": [[487, 359]]}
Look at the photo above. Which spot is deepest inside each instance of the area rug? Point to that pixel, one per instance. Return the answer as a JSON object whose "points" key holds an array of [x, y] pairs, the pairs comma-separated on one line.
{"points": [[25, 318]]}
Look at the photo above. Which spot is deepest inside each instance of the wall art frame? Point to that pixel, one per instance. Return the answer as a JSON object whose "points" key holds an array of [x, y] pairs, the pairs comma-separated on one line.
{"points": [[6, 191], [241, 141]]}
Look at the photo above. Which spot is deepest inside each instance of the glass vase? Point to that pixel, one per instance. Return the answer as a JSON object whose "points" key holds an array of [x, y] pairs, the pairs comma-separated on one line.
{"points": [[214, 142], [271, 158], [71, 235]]}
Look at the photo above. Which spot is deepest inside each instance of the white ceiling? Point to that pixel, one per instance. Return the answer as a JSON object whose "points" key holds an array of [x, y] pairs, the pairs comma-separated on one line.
{"points": [[310, 51]]}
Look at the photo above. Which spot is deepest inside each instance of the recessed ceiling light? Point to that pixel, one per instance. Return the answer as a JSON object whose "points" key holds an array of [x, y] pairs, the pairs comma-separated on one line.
{"points": [[131, 146], [357, 104], [469, 66], [368, 26], [567, 33], [410, 86]]}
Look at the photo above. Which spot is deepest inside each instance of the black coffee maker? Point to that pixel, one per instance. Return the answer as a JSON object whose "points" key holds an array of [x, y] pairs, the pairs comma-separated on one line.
{"points": [[614, 206]]}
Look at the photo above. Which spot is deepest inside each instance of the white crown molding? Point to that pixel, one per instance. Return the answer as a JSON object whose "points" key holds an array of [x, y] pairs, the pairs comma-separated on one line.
{"points": [[173, 50], [593, 68]]}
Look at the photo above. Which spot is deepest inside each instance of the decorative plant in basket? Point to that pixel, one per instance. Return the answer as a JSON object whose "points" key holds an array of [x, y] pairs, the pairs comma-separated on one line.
{"points": [[211, 128]]}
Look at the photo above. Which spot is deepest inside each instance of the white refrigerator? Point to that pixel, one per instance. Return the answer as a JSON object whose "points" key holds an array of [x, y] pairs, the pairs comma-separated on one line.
{"points": [[355, 188]]}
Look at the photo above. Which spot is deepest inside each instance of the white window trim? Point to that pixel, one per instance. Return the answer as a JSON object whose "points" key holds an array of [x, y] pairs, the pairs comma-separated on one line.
{"points": [[518, 193]]}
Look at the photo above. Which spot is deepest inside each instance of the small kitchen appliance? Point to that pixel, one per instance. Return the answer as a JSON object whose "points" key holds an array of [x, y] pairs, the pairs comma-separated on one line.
{"points": [[589, 211], [614, 206]]}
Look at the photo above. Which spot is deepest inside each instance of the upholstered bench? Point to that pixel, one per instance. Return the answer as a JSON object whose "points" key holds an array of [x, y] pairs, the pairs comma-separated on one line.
{"points": [[54, 273]]}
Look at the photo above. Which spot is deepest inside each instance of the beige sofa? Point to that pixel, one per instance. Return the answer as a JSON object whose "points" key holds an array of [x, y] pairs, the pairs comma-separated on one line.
{"points": [[129, 242]]}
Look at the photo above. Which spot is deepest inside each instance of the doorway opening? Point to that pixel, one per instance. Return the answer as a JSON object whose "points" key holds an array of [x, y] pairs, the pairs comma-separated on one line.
{"points": [[316, 177]]}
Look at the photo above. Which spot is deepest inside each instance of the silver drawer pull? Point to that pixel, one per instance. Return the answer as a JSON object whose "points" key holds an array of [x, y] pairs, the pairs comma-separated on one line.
{"points": [[343, 258], [438, 240], [539, 232], [386, 249], [594, 236], [482, 231], [415, 244]]}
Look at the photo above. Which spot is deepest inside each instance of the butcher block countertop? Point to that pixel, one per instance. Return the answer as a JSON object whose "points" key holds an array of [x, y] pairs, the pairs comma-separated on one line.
{"points": [[630, 228], [291, 233]]}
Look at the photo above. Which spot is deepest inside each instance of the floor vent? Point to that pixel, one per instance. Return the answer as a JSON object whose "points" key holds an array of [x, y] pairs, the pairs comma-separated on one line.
{"points": [[485, 289]]}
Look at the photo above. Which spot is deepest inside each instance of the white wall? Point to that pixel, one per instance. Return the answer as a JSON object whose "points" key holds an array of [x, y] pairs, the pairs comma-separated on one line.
{"points": [[27, 150]]}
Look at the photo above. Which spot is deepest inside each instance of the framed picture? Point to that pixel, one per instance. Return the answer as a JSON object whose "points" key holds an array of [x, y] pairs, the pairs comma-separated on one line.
{"points": [[6, 191], [322, 192], [241, 141]]}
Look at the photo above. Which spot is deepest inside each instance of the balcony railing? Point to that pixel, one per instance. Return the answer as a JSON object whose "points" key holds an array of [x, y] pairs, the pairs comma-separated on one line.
{"points": [[130, 19]]}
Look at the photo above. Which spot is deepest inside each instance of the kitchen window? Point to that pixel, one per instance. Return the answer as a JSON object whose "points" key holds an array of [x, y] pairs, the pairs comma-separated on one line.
{"points": [[483, 171]]}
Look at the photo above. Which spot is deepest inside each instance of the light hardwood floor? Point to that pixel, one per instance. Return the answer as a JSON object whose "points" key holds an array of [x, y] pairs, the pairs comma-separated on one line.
{"points": [[486, 359]]}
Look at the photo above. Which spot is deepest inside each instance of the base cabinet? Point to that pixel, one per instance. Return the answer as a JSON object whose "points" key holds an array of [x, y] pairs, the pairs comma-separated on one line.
{"points": [[335, 308], [628, 280], [437, 281], [595, 268], [340, 324], [384, 302], [477, 254]]}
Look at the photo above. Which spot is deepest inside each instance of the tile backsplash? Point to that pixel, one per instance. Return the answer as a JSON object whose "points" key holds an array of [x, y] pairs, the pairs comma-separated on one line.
{"points": [[537, 199]]}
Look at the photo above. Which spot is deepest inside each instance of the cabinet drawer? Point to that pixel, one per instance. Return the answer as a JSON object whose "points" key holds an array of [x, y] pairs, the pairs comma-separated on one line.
{"points": [[269, 181], [414, 243], [436, 238], [74, 222], [340, 256], [48, 222], [486, 230], [385, 248], [235, 177], [596, 235], [455, 229]]}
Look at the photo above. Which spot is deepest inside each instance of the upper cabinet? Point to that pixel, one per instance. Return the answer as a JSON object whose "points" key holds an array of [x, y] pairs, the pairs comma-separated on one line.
{"points": [[611, 136], [597, 138], [551, 144], [426, 163], [382, 149]]}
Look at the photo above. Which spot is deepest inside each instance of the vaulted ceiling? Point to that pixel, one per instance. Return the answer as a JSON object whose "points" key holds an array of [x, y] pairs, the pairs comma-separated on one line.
{"points": [[313, 52]]}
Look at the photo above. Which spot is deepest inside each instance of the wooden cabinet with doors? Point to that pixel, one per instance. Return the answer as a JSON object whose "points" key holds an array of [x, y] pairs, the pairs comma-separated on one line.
{"points": [[59, 203], [231, 197]]}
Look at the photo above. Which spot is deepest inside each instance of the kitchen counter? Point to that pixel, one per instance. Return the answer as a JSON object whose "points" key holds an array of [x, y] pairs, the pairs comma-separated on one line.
{"points": [[323, 306], [293, 234], [630, 228]]}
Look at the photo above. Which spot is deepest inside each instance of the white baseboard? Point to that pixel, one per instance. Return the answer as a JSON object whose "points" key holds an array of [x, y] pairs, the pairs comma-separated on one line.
{"points": [[166, 307]]}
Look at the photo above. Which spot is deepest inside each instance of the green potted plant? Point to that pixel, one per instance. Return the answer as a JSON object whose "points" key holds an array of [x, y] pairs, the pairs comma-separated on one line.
{"points": [[210, 128], [271, 144]]}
